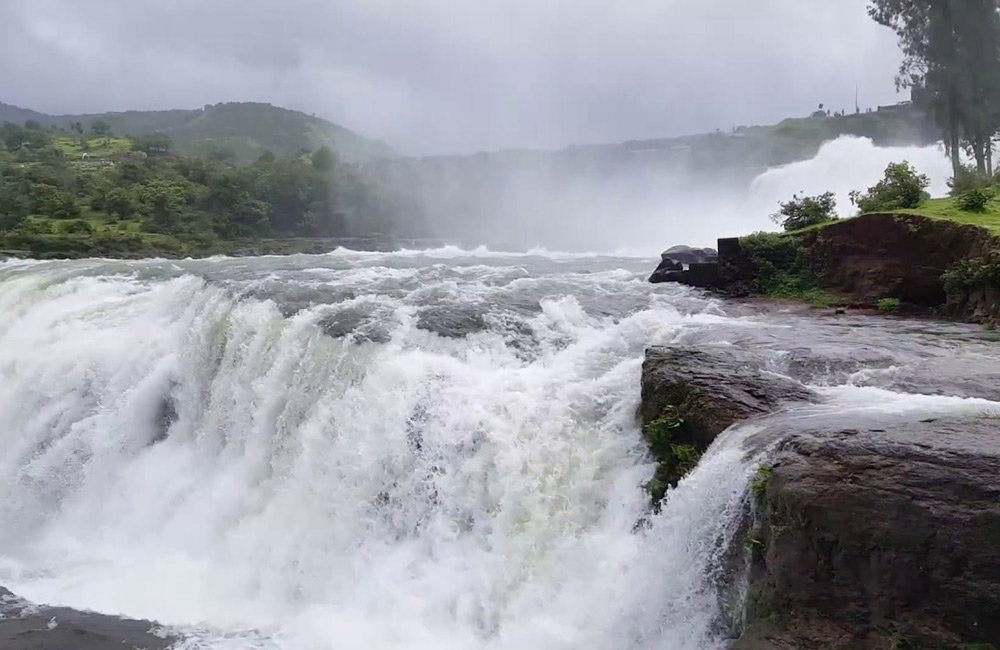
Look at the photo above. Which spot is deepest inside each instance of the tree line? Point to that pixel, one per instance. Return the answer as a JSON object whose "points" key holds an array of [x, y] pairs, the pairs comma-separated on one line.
{"points": [[951, 64], [146, 188]]}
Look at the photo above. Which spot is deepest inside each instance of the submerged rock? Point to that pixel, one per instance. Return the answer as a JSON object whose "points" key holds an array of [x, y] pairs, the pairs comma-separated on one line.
{"points": [[879, 536], [364, 323], [451, 321], [690, 396], [24, 626]]}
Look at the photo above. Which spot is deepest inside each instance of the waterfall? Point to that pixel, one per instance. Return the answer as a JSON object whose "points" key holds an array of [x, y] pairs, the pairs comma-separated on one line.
{"points": [[175, 449]]}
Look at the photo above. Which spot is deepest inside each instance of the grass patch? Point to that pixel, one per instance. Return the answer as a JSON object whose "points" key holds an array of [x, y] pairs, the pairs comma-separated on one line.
{"points": [[97, 147], [888, 305], [948, 209], [816, 298]]}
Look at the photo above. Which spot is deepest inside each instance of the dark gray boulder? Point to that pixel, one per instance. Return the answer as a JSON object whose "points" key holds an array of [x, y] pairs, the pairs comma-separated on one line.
{"points": [[689, 255], [452, 321], [879, 535], [24, 626], [667, 269]]}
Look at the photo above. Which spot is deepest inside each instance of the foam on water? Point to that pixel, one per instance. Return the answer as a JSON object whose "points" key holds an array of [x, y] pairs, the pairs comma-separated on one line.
{"points": [[180, 441], [327, 494]]}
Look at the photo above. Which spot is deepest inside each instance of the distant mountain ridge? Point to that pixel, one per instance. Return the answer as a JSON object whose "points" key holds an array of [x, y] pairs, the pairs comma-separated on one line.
{"points": [[247, 129]]}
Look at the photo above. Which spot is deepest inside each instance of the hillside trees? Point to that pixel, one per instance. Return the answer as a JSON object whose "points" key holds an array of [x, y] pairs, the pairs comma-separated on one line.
{"points": [[311, 194], [951, 62]]}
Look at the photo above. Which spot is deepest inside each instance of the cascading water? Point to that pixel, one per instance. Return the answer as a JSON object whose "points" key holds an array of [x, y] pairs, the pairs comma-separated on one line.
{"points": [[178, 451], [841, 166], [700, 215], [392, 451]]}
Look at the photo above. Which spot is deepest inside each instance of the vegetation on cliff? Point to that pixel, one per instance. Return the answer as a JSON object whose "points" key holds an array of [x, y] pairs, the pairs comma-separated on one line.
{"points": [[899, 258], [90, 194]]}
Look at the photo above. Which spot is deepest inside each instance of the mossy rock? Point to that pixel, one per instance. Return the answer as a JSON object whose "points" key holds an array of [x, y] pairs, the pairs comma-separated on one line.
{"points": [[690, 396]]}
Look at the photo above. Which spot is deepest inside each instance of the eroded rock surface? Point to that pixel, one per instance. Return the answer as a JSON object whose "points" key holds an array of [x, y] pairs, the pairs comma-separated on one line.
{"points": [[690, 396], [879, 536], [24, 626]]}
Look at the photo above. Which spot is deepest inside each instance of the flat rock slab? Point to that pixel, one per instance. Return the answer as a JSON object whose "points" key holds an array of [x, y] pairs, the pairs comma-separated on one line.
{"points": [[24, 626]]}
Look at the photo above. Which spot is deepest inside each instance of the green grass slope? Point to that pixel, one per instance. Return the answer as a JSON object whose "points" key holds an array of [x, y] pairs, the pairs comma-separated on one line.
{"points": [[948, 209]]}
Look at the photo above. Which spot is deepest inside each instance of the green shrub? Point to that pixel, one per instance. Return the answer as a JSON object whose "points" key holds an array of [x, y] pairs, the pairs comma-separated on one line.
{"points": [[968, 178], [782, 267], [673, 459], [888, 305], [974, 200], [975, 273], [901, 187], [36, 227], [759, 484], [77, 227], [804, 211]]}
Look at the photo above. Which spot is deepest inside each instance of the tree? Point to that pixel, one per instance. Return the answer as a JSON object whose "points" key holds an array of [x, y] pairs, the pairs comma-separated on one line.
{"points": [[120, 203], [951, 63], [804, 211], [32, 125], [12, 136], [100, 128], [901, 187], [152, 144], [221, 154], [13, 207], [323, 160]]}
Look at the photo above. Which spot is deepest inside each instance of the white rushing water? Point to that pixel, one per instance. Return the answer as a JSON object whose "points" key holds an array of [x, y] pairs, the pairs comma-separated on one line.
{"points": [[187, 442], [703, 214], [318, 493]]}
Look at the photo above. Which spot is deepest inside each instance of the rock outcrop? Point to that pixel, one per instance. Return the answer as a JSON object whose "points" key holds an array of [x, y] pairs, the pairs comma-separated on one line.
{"points": [[690, 396], [24, 626], [883, 535], [893, 255], [865, 259], [701, 263], [665, 270], [689, 255]]}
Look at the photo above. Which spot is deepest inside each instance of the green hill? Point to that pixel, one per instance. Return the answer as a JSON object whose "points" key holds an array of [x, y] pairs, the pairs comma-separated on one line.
{"points": [[246, 130]]}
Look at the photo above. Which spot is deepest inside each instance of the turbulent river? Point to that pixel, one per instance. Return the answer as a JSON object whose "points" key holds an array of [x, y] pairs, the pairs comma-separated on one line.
{"points": [[430, 449]]}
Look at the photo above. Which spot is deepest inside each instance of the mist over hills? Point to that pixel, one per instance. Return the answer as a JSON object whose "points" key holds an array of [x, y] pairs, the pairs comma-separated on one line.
{"points": [[570, 198], [245, 129]]}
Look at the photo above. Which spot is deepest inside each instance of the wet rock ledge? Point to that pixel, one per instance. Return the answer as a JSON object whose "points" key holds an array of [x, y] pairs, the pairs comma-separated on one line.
{"points": [[877, 533], [690, 396], [907, 261], [879, 536], [25, 626]]}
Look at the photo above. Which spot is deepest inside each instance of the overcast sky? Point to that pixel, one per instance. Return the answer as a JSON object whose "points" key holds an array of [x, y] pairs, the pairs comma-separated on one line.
{"points": [[432, 76]]}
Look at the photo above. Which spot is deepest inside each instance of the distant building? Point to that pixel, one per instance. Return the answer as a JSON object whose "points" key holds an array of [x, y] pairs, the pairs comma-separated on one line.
{"points": [[898, 107]]}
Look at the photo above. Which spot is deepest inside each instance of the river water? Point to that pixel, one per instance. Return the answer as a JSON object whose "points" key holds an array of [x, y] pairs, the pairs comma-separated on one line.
{"points": [[409, 450], [403, 451]]}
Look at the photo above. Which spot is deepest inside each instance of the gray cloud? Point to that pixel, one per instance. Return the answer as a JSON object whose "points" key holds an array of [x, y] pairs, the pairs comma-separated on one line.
{"points": [[455, 75]]}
